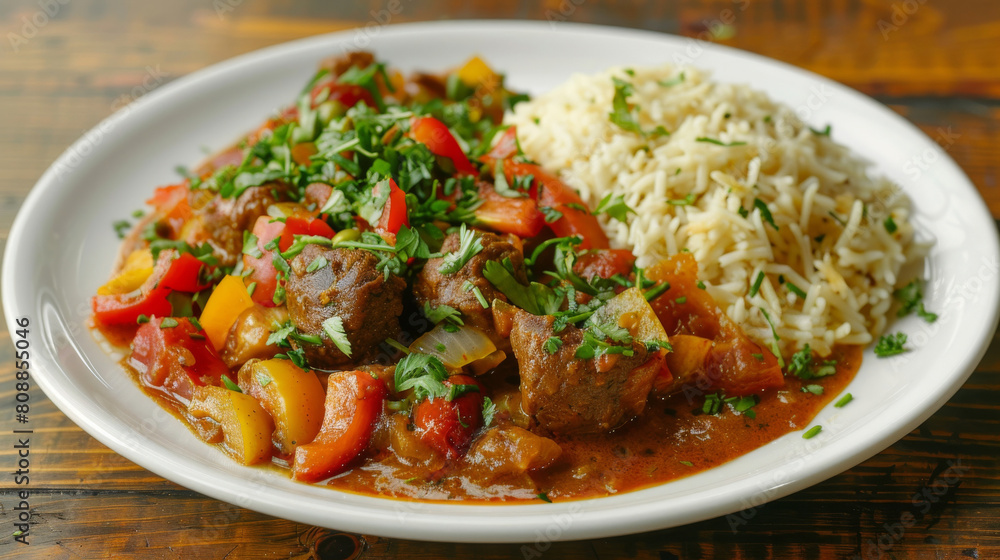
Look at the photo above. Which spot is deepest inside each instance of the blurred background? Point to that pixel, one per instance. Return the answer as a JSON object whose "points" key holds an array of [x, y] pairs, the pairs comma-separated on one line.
{"points": [[67, 64]]}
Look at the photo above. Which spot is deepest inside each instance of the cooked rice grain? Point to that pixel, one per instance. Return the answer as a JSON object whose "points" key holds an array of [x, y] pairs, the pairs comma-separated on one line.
{"points": [[830, 241]]}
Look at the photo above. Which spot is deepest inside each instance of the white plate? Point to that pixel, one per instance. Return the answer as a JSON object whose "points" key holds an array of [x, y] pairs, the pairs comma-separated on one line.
{"points": [[61, 248]]}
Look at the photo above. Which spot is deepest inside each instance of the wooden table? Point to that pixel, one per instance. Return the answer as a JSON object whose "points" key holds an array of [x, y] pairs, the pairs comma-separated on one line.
{"points": [[66, 64]]}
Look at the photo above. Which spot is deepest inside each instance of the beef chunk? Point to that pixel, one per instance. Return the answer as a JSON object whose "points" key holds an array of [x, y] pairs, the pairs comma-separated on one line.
{"points": [[563, 394], [223, 220], [348, 287], [434, 288]]}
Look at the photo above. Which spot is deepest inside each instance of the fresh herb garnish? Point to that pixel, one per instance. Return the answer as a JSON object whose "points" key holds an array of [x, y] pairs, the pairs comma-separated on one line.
{"points": [[756, 284], [890, 224], [168, 323], [719, 142], [765, 212], [812, 432], [843, 401], [614, 206], [672, 81], [470, 245], [333, 327], [688, 200], [553, 344], [890, 345], [442, 313], [230, 385], [621, 114]]}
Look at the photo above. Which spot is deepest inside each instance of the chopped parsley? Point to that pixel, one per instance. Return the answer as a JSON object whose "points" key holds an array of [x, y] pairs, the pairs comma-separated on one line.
{"points": [[614, 206], [553, 344], [701, 285], [423, 373], [756, 284], [814, 389], [719, 142], [743, 211], [686, 463], [470, 287], [812, 432], [544, 497], [122, 228], [681, 300], [442, 313], [470, 245], [774, 338], [317, 263], [334, 330], [765, 212], [890, 345], [795, 290], [672, 81], [911, 297], [890, 224], [804, 366], [551, 214], [168, 323], [824, 132], [621, 114], [842, 402], [688, 200], [489, 411], [263, 379], [230, 385], [250, 245]]}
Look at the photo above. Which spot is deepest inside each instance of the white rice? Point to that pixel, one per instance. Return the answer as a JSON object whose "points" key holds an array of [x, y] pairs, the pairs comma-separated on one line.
{"points": [[831, 241]]}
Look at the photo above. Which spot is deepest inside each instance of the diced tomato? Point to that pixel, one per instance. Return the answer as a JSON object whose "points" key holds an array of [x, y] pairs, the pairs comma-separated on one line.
{"points": [[302, 152], [347, 95], [184, 275], [174, 360], [551, 192], [262, 268], [505, 147], [353, 404], [435, 135], [604, 263], [731, 363], [393, 213], [519, 216], [448, 426], [172, 205], [171, 274], [299, 225]]}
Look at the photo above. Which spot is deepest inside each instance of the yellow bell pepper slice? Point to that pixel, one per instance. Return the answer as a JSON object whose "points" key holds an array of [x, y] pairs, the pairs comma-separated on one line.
{"points": [[294, 398], [138, 267], [246, 426], [475, 72], [229, 299]]}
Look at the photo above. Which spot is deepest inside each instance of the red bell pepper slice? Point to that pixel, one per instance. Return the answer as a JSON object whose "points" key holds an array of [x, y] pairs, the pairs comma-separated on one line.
{"points": [[505, 147], [171, 274], [353, 404], [347, 95], [448, 426], [435, 135], [393, 213], [184, 275], [175, 360]]}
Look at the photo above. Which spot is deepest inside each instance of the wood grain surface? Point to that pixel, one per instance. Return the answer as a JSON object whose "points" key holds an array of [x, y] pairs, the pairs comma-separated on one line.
{"points": [[66, 64]]}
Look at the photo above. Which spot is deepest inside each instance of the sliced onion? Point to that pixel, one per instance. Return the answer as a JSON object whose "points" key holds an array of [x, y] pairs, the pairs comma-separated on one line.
{"points": [[454, 349]]}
